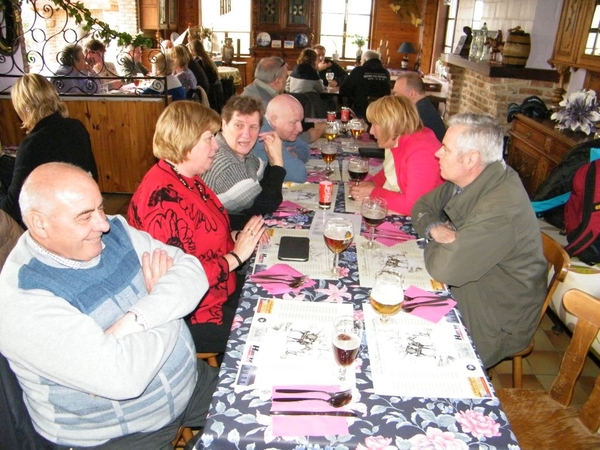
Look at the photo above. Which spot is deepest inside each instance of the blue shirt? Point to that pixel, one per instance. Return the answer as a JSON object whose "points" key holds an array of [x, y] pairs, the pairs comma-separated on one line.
{"points": [[295, 156]]}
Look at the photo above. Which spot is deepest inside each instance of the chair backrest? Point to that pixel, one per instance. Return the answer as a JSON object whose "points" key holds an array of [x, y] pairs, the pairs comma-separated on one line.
{"points": [[216, 96], [198, 95], [10, 231], [587, 310], [558, 259]]}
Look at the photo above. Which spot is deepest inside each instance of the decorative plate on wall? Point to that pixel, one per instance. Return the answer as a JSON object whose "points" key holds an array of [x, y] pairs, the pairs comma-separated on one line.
{"points": [[263, 39], [301, 40]]}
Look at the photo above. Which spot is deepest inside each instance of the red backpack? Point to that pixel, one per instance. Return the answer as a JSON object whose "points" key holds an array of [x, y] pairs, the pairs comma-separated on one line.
{"points": [[582, 214]]}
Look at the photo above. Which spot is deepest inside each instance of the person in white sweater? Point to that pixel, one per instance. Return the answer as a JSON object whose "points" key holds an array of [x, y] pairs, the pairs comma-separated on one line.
{"points": [[91, 322]]}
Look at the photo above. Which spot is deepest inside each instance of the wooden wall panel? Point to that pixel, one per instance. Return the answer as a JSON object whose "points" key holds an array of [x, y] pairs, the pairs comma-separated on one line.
{"points": [[121, 132]]}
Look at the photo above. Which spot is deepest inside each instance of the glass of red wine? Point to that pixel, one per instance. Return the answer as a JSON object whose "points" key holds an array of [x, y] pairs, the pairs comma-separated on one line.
{"points": [[373, 210], [345, 339], [358, 168]]}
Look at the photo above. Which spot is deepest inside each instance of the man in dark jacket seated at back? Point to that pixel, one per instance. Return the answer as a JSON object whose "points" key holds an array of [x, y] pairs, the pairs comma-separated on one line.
{"points": [[370, 79]]}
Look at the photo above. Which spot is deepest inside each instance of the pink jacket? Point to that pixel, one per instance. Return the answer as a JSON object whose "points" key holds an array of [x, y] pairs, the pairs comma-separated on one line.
{"points": [[417, 171]]}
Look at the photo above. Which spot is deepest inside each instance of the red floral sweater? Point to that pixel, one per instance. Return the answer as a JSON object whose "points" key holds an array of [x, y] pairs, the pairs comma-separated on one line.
{"points": [[178, 215]]}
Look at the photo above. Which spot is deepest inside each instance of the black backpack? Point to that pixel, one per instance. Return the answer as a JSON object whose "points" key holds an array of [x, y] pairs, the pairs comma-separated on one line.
{"points": [[560, 182]]}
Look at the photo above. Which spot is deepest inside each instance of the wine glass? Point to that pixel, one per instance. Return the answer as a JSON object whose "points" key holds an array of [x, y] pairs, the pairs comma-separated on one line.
{"points": [[329, 152], [387, 294], [331, 131], [329, 76], [346, 338], [358, 168], [356, 127], [338, 234], [373, 210]]}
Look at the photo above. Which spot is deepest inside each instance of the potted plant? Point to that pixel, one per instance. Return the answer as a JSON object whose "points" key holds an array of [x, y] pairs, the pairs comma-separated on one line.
{"points": [[359, 41]]}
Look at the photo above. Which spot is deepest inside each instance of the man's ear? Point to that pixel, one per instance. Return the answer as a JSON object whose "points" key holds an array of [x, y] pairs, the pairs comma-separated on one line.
{"points": [[473, 159], [37, 223]]}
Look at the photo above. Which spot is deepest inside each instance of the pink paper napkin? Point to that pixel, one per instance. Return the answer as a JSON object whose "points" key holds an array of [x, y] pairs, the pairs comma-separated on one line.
{"points": [[307, 425], [387, 228], [316, 176], [433, 314], [274, 287], [285, 209]]}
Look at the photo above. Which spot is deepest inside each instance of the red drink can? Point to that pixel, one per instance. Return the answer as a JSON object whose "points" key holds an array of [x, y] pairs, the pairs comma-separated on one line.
{"points": [[325, 193], [331, 116], [345, 114]]}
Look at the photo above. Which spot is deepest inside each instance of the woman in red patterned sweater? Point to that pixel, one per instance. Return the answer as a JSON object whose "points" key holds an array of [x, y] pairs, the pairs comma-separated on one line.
{"points": [[173, 204]]}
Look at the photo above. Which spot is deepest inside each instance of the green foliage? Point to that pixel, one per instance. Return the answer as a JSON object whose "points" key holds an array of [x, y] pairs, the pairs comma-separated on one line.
{"points": [[101, 30]]}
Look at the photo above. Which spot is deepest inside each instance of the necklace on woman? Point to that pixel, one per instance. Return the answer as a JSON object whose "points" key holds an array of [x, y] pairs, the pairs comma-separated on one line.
{"points": [[197, 184]]}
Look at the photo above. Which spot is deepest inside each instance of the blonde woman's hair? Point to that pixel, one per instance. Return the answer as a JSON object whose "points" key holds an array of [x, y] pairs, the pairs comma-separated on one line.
{"points": [[180, 55], [179, 128], [395, 116], [34, 98], [162, 65]]}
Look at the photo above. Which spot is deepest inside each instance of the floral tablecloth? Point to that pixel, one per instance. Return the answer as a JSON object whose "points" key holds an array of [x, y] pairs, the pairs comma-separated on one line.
{"points": [[242, 420]]}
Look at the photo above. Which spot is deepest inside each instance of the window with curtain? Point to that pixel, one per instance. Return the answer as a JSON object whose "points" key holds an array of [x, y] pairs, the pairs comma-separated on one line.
{"points": [[341, 20], [236, 23]]}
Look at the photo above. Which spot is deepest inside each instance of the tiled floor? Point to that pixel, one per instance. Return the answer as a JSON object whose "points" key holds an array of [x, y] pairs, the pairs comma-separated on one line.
{"points": [[539, 368]]}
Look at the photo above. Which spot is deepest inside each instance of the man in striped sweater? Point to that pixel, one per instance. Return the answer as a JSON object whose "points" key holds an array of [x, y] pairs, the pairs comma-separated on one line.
{"points": [[91, 322]]}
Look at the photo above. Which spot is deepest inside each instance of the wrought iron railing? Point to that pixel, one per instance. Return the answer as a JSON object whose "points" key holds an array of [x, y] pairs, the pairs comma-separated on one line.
{"points": [[33, 34]]}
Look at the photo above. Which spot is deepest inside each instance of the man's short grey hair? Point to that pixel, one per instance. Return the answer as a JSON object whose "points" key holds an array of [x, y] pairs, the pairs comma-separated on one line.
{"points": [[482, 134], [269, 69], [370, 54]]}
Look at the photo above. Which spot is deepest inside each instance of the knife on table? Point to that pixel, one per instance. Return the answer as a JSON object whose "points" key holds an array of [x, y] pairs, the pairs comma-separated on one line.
{"points": [[314, 413]]}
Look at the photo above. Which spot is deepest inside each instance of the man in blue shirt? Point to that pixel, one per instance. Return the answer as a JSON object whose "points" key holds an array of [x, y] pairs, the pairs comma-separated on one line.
{"points": [[284, 116]]}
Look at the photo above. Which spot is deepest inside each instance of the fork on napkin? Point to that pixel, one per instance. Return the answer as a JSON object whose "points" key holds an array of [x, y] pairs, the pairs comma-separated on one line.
{"points": [[431, 309], [287, 208], [388, 234], [309, 425], [278, 279]]}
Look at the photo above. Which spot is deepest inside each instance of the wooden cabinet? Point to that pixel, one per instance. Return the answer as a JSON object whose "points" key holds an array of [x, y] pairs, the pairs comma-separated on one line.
{"points": [[536, 147], [573, 36], [158, 14], [282, 20]]}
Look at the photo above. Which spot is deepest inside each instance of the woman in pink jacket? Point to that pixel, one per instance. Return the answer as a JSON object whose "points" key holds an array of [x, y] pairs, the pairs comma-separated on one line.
{"points": [[410, 168]]}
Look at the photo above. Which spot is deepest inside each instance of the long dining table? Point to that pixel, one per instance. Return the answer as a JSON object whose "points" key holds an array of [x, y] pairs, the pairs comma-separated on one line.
{"points": [[241, 419]]}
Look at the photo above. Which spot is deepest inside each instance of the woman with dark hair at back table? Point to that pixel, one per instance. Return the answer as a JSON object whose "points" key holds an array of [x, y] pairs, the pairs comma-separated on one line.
{"points": [[51, 136], [175, 206], [304, 77], [200, 55]]}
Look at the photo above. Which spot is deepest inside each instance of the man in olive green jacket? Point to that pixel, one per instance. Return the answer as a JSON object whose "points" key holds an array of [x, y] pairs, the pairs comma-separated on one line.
{"points": [[484, 239]]}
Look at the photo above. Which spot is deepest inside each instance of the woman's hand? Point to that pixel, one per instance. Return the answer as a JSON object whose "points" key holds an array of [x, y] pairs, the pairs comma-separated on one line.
{"points": [[362, 190], [273, 147], [249, 237]]}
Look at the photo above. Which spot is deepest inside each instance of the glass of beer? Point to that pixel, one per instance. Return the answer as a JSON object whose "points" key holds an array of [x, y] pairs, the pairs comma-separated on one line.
{"points": [[331, 131], [356, 127], [373, 210], [358, 168], [387, 294], [338, 234], [329, 152], [346, 338]]}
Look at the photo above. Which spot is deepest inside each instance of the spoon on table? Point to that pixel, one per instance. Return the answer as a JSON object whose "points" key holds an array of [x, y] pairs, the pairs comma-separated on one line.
{"points": [[336, 399]]}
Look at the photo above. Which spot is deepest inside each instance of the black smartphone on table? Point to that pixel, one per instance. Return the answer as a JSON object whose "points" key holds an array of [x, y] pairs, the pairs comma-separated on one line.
{"points": [[293, 248]]}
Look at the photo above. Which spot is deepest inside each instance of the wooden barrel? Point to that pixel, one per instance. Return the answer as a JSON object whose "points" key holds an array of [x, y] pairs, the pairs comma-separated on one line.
{"points": [[516, 49]]}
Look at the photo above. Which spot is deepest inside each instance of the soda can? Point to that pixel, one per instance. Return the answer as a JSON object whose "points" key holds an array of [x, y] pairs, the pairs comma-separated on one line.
{"points": [[331, 116], [345, 114], [325, 193]]}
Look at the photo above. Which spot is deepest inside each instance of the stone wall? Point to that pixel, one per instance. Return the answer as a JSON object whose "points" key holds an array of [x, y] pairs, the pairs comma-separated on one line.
{"points": [[469, 91]]}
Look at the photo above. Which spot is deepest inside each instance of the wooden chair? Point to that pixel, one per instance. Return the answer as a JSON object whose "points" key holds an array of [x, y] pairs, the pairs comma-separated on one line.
{"points": [[559, 260], [184, 434], [543, 420]]}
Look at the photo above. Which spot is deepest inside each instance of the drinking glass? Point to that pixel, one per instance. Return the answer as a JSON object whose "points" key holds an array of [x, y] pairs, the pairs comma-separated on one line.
{"points": [[338, 234], [331, 131], [329, 76], [387, 294], [329, 152], [346, 338], [373, 210], [356, 127], [358, 168]]}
